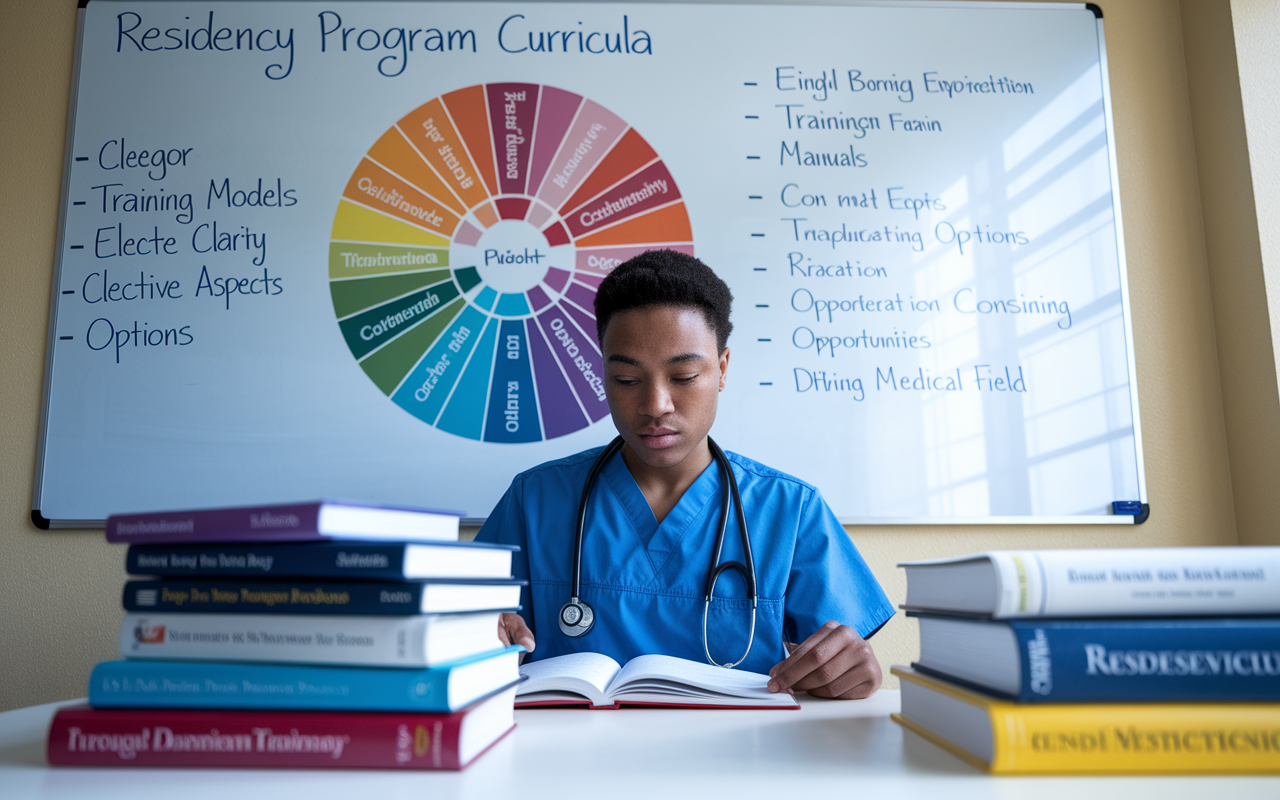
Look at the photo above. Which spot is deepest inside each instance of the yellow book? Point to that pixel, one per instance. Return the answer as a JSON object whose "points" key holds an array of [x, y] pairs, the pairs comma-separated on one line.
{"points": [[1004, 737]]}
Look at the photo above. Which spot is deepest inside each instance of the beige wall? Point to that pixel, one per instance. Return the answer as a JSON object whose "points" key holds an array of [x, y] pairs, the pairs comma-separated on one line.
{"points": [[1246, 358], [1256, 25], [60, 591]]}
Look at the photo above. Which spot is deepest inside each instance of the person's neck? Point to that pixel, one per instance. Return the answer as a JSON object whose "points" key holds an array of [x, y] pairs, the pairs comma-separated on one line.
{"points": [[663, 487]]}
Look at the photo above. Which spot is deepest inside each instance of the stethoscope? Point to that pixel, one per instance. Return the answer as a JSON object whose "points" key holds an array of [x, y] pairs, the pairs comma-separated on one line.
{"points": [[577, 618]]}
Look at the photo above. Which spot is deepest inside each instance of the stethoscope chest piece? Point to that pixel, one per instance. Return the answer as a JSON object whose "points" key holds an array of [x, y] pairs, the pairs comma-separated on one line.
{"points": [[576, 618]]}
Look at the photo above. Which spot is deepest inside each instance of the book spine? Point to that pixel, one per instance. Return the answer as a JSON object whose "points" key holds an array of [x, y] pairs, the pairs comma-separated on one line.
{"points": [[1214, 581], [1154, 738], [349, 560], [1183, 660], [180, 684], [253, 739], [268, 523], [369, 641], [253, 597]]}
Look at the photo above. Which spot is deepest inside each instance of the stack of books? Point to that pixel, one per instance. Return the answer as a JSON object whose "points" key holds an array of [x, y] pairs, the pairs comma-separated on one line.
{"points": [[314, 635], [1099, 661]]}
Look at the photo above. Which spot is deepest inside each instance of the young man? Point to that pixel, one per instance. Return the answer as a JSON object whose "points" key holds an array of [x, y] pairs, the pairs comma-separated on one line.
{"points": [[663, 323]]}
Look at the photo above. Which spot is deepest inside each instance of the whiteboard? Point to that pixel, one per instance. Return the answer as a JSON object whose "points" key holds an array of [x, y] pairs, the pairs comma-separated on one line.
{"points": [[349, 250]]}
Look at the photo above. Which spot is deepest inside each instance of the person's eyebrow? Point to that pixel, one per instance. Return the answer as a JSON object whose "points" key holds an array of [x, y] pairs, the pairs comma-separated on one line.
{"points": [[680, 359], [685, 357]]}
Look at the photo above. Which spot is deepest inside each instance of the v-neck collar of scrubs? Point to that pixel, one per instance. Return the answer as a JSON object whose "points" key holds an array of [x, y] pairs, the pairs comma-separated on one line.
{"points": [[660, 540]]}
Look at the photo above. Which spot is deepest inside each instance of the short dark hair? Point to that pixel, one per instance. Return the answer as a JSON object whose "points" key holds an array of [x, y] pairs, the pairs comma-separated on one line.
{"points": [[665, 278]]}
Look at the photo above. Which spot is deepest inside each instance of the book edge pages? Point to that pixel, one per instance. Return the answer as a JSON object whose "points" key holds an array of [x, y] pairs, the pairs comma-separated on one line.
{"points": [[954, 750]]}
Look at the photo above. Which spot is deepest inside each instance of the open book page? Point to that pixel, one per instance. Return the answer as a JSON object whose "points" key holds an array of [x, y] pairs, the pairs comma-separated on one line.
{"points": [[585, 674], [666, 679]]}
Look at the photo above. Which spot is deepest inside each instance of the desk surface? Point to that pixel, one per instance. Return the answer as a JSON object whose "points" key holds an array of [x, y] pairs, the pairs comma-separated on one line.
{"points": [[826, 747]]}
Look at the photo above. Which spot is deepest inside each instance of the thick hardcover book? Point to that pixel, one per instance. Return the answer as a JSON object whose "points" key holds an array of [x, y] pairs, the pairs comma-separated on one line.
{"points": [[341, 560], [299, 597], [1146, 582], [83, 736], [423, 641], [194, 684], [595, 680], [1107, 660], [296, 522], [1003, 737]]}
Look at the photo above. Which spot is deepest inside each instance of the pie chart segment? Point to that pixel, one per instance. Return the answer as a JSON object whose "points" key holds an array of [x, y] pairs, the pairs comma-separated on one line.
{"points": [[356, 223], [513, 413], [467, 248], [429, 129], [556, 113], [464, 410], [394, 153], [469, 113], [590, 137], [512, 108], [629, 156], [364, 261], [389, 366]]}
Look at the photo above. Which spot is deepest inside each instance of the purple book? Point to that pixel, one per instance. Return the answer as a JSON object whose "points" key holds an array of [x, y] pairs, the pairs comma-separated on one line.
{"points": [[295, 522]]}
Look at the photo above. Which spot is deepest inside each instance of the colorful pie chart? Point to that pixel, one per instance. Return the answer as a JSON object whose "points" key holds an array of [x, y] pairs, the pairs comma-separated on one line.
{"points": [[467, 248]]}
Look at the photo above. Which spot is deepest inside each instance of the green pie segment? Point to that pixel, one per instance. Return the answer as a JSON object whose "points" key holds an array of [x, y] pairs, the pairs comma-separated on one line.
{"points": [[369, 330], [388, 366], [356, 260], [361, 293]]}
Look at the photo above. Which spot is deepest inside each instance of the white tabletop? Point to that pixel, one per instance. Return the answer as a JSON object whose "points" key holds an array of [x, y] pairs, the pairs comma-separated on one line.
{"points": [[827, 749]]}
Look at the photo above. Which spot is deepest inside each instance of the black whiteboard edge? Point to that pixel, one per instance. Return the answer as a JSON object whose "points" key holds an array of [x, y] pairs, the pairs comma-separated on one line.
{"points": [[56, 282], [1097, 11], [1138, 519], [44, 522]]}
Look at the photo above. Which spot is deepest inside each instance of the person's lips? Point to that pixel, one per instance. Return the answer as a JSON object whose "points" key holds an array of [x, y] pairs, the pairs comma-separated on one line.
{"points": [[658, 438]]}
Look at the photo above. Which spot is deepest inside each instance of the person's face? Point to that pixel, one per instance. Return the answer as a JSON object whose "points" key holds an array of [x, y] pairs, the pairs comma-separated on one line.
{"points": [[663, 378]]}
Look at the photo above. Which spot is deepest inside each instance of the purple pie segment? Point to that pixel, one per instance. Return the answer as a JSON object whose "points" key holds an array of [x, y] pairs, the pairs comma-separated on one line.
{"points": [[577, 353], [512, 109], [560, 411]]}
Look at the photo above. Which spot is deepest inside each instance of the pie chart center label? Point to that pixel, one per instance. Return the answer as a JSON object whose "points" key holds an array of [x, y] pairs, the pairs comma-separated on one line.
{"points": [[465, 258], [511, 257]]}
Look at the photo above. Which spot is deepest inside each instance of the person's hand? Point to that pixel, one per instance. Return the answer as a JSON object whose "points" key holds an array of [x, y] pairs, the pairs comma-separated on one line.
{"points": [[513, 630], [835, 662]]}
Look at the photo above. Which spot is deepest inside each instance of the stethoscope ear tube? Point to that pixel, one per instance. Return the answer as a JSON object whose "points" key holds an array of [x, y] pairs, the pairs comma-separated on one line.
{"points": [[576, 617], [729, 489], [590, 484]]}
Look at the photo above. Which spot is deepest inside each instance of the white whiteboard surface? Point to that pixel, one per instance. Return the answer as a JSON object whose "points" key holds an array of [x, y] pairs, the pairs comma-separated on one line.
{"points": [[881, 185]]}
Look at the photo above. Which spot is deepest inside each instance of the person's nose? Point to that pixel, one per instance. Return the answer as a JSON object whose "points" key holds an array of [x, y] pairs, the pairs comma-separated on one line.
{"points": [[657, 401]]}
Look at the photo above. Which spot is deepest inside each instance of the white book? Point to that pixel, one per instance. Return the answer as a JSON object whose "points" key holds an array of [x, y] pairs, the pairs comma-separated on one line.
{"points": [[1137, 582], [599, 681], [420, 641]]}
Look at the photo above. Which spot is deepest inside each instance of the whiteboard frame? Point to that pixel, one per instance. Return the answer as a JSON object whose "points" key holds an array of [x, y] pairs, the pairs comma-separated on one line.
{"points": [[1122, 264], [55, 294]]}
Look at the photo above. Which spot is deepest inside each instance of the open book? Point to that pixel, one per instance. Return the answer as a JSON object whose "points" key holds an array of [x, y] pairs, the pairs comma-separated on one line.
{"points": [[600, 682]]}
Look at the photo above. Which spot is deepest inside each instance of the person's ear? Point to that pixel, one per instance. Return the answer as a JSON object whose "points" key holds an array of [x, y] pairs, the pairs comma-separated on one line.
{"points": [[724, 367]]}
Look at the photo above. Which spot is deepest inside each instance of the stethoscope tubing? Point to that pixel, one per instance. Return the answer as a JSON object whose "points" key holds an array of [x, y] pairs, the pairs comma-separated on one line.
{"points": [[729, 495]]}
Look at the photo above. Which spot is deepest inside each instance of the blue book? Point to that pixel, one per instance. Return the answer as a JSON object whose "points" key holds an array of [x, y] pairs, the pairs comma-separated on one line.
{"points": [[1107, 660], [340, 560], [318, 597], [194, 684]]}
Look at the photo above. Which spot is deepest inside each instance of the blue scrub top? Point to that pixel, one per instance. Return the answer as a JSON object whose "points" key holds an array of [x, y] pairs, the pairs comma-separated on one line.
{"points": [[646, 581]]}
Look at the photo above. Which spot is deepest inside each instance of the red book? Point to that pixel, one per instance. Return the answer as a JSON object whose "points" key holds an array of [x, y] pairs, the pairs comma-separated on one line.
{"points": [[82, 736]]}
